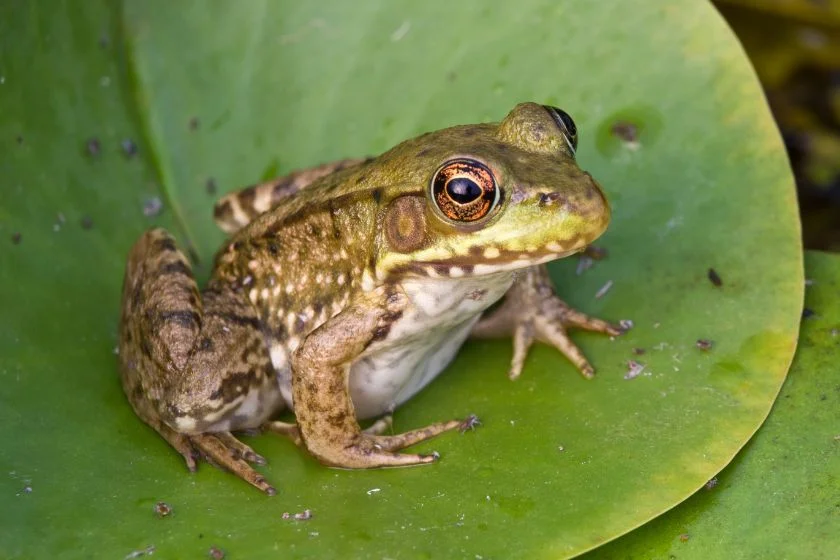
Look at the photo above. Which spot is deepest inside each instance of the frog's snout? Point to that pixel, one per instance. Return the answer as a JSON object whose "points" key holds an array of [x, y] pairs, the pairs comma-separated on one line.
{"points": [[587, 201]]}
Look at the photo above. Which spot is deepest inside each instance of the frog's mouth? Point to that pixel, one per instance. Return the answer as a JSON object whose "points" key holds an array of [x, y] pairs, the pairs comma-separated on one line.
{"points": [[491, 261]]}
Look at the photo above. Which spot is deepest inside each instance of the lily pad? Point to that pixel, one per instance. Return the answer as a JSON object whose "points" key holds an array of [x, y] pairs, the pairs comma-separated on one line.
{"points": [[118, 116], [778, 498]]}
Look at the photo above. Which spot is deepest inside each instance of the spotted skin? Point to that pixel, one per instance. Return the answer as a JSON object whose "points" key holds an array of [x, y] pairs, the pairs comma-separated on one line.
{"points": [[344, 289], [236, 210]]}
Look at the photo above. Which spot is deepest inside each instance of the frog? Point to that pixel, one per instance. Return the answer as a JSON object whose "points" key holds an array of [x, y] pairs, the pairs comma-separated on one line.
{"points": [[344, 289]]}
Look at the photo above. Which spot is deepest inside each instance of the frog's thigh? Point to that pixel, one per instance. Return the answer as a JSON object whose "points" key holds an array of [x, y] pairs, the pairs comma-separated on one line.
{"points": [[168, 344], [235, 210], [323, 407], [532, 311]]}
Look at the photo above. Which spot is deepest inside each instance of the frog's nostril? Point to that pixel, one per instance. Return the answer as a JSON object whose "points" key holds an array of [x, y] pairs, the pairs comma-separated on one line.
{"points": [[551, 198]]}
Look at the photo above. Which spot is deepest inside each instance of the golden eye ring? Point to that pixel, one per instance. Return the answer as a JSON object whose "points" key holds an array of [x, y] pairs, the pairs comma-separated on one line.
{"points": [[464, 190]]}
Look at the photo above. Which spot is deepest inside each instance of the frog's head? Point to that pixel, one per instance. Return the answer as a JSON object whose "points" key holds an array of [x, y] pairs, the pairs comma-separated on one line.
{"points": [[487, 198]]}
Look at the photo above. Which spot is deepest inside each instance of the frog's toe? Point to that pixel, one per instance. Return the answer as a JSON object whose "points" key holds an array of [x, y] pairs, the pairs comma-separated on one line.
{"points": [[288, 429], [370, 452], [407, 439], [574, 318], [217, 449], [239, 450], [381, 425]]}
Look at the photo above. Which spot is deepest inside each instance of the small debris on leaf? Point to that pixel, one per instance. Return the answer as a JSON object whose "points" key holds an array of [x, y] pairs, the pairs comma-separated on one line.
{"points": [[152, 207], [807, 312], [94, 148], [835, 332], [87, 222], [149, 550], [162, 509], [194, 123], [216, 553], [129, 148], [711, 484], [684, 537], [210, 186], [560, 448], [16, 237], [634, 369], [715, 278], [469, 423], [810, 282], [626, 131], [626, 324], [638, 351], [604, 289], [595, 253], [584, 264], [373, 491], [704, 344]]}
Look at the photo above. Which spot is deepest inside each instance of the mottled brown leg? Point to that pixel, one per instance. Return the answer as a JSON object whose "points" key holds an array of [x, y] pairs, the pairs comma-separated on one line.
{"points": [[323, 407], [235, 210], [176, 351], [532, 311]]}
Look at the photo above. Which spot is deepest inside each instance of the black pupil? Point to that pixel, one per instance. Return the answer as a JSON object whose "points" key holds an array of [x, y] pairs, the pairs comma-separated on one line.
{"points": [[567, 120], [463, 190], [563, 119]]}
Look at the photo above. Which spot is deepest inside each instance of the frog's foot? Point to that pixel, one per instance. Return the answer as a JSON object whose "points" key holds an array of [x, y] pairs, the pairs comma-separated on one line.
{"points": [[532, 311], [368, 451], [225, 451], [221, 449], [406, 439]]}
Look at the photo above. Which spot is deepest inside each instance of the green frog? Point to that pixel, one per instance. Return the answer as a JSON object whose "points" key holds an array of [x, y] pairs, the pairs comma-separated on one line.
{"points": [[344, 289]]}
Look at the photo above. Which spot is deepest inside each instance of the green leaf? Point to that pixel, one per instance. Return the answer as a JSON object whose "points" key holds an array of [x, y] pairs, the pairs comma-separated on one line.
{"points": [[238, 91], [778, 498]]}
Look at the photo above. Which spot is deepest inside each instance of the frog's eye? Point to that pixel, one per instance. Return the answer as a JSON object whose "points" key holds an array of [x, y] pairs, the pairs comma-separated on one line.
{"points": [[565, 124], [464, 190]]}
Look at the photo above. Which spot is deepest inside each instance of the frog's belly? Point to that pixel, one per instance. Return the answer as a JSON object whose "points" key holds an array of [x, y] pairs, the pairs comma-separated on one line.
{"points": [[384, 380], [419, 345]]}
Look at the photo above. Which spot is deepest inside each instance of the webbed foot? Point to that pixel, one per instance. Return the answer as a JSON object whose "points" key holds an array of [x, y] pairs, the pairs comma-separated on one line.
{"points": [[532, 311]]}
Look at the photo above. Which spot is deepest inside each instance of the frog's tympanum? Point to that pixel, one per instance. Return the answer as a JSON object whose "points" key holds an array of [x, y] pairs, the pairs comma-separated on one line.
{"points": [[344, 289]]}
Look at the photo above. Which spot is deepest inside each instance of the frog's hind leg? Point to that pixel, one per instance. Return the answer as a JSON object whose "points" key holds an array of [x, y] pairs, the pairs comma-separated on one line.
{"points": [[532, 311], [179, 366], [235, 210]]}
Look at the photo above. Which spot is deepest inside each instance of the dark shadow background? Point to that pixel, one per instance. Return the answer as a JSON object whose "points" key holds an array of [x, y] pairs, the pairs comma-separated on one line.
{"points": [[795, 48]]}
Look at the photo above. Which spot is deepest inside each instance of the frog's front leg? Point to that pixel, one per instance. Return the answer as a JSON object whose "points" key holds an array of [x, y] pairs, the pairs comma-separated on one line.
{"points": [[323, 407], [193, 370], [532, 311]]}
